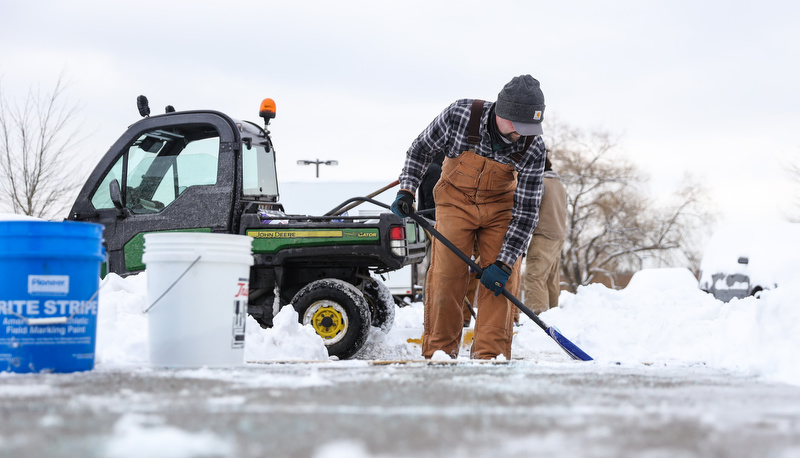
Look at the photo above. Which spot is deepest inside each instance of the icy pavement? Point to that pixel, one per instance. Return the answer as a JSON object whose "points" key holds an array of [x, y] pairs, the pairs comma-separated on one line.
{"points": [[360, 409]]}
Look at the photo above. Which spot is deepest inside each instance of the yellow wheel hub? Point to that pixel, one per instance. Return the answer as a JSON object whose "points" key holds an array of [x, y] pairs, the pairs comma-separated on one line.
{"points": [[328, 318]]}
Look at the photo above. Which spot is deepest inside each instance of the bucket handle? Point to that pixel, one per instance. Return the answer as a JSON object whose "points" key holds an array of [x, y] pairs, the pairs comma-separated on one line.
{"points": [[56, 319], [173, 284]]}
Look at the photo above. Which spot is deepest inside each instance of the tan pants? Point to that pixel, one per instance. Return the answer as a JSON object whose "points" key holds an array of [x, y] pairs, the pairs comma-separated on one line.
{"points": [[474, 198], [513, 286], [471, 299], [542, 275]]}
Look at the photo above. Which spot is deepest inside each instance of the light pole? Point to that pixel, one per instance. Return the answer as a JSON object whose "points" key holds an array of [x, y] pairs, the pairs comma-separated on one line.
{"points": [[317, 163]]}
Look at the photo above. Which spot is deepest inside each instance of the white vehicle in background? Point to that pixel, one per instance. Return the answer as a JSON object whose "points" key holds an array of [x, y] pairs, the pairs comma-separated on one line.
{"points": [[743, 259], [403, 284]]}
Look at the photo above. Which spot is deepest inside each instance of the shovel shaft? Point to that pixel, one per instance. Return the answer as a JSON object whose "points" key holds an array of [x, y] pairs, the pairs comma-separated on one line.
{"points": [[572, 350], [471, 263]]}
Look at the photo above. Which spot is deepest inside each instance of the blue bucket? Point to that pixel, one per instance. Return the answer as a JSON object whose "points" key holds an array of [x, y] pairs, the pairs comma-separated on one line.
{"points": [[50, 273]]}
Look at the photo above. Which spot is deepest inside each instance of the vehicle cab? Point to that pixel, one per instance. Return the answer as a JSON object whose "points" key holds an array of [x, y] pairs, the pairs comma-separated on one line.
{"points": [[191, 170]]}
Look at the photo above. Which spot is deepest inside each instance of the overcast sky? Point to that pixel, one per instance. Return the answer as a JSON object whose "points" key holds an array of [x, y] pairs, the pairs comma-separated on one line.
{"points": [[705, 87]]}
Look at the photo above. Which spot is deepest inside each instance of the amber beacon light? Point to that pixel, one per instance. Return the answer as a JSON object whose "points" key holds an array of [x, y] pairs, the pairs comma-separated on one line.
{"points": [[267, 110]]}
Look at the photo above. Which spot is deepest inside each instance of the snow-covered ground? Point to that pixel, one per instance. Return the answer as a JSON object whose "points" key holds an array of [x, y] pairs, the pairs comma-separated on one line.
{"points": [[660, 317], [701, 357], [693, 347]]}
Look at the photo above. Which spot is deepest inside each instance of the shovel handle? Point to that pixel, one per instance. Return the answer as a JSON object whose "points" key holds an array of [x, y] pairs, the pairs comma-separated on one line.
{"points": [[570, 348], [471, 263]]}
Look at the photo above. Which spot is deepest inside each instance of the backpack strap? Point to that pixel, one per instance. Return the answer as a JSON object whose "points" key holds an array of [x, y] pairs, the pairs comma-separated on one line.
{"points": [[473, 127], [473, 130], [516, 157]]}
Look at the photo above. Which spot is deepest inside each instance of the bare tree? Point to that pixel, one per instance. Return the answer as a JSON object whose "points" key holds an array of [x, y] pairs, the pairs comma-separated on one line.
{"points": [[35, 137], [612, 225]]}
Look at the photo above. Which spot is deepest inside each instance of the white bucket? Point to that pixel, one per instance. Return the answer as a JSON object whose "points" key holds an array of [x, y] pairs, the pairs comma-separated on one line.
{"points": [[197, 287]]}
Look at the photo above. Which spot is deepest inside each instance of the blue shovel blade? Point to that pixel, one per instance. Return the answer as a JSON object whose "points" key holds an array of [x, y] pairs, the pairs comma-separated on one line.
{"points": [[569, 347]]}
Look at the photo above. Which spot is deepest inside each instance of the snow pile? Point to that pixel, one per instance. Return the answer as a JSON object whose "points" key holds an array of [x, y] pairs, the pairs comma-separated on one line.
{"points": [[122, 329], [16, 217], [286, 340], [121, 322], [660, 318]]}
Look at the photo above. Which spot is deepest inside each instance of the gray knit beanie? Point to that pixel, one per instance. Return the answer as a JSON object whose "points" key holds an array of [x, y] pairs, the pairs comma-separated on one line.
{"points": [[521, 101]]}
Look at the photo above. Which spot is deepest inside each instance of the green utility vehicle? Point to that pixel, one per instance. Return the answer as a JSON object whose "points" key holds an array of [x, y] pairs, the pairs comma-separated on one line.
{"points": [[204, 171]]}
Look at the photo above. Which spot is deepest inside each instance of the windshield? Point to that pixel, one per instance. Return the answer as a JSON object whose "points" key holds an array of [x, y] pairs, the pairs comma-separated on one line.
{"points": [[260, 177], [159, 166]]}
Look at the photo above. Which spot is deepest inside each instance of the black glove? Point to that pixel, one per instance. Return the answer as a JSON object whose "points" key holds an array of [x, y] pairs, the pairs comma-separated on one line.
{"points": [[495, 277], [403, 205]]}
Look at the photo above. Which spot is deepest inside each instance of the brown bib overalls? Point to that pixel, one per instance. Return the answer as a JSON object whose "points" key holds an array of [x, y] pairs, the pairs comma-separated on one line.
{"points": [[474, 198]]}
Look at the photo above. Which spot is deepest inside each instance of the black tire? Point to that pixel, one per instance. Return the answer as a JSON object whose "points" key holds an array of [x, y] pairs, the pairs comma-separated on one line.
{"points": [[381, 304], [338, 312]]}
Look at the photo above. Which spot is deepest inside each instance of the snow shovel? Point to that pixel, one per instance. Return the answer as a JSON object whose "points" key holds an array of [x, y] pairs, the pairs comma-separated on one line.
{"points": [[572, 350]]}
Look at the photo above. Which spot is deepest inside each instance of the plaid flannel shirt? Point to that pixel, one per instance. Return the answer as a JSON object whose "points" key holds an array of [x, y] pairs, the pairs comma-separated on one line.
{"points": [[448, 133]]}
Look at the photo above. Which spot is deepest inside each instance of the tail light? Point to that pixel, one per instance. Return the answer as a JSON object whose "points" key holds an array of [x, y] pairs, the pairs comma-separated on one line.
{"points": [[397, 240]]}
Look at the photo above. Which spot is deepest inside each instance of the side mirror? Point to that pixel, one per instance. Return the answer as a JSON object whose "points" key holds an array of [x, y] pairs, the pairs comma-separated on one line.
{"points": [[143, 105], [115, 193]]}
